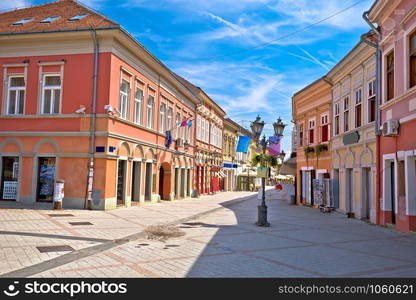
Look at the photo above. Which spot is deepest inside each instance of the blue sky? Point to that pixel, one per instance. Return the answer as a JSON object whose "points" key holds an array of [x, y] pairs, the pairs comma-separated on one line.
{"points": [[213, 43]]}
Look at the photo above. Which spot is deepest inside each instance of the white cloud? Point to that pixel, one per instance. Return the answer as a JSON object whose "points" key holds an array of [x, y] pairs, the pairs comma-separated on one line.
{"points": [[94, 4], [311, 11], [13, 4]]}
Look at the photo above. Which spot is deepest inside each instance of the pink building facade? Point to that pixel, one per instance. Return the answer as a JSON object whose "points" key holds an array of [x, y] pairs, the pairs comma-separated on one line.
{"points": [[397, 143]]}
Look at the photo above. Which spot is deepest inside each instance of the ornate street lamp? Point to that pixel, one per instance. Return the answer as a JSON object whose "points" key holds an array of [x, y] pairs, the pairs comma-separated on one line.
{"points": [[257, 128], [279, 126]]}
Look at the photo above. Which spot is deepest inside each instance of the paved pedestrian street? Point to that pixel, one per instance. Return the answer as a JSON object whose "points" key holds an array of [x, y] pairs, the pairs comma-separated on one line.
{"points": [[220, 240]]}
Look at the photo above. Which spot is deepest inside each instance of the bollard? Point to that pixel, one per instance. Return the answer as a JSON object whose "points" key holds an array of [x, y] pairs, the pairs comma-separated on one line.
{"points": [[59, 194]]}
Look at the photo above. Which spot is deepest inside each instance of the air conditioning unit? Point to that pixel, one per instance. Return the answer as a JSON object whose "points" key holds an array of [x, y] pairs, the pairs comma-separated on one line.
{"points": [[179, 142], [391, 128]]}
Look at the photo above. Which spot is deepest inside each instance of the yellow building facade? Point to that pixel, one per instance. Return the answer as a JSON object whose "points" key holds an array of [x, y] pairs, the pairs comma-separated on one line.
{"points": [[353, 139]]}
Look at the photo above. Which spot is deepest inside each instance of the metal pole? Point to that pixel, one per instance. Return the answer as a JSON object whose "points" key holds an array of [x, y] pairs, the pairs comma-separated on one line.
{"points": [[262, 208], [90, 183]]}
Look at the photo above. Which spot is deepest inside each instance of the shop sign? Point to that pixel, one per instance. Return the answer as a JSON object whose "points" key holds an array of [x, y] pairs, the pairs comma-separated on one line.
{"points": [[351, 138]]}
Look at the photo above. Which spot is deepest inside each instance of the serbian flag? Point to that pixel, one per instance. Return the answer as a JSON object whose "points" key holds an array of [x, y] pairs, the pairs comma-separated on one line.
{"points": [[183, 123], [189, 124]]}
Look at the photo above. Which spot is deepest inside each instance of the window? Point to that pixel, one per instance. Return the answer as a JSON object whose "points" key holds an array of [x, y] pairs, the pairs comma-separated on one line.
{"points": [[124, 99], [77, 18], [162, 116], [346, 114], [324, 128], [49, 20], [198, 128], [189, 134], [311, 131], [371, 104], [206, 131], [24, 21], [51, 94], [203, 129], [149, 115], [412, 59], [336, 119], [357, 108], [300, 135], [16, 95], [183, 131], [178, 120], [138, 106], [170, 118], [390, 76]]}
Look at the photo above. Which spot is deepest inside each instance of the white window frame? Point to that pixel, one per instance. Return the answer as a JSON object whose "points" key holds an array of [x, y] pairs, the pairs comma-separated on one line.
{"points": [[150, 113], [198, 127], [371, 83], [162, 117], [169, 118], [337, 114], [138, 107], [301, 139], [207, 132], [312, 126], [177, 122], [203, 129], [358, 100], [183, 129], [324, 122], [346, 109], [52, 88], [18, 90]]}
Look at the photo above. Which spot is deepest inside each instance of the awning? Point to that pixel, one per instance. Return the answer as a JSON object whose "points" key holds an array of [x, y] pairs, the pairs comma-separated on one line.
{"points": [[289, 167]]}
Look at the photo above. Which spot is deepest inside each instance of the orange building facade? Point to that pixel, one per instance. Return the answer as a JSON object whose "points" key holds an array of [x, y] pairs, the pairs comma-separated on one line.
{"points": [[311, 109], [48, 122]]}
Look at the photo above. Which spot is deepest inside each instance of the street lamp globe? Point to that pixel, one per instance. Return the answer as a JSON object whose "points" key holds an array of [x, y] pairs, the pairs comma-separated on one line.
{"points": [[279, 126], [257, 128], [282, 155]]}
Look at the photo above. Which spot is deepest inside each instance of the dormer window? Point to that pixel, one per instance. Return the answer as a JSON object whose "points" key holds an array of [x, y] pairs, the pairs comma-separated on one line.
{"points": [[24, 21], [77, 17], [49, 20]]}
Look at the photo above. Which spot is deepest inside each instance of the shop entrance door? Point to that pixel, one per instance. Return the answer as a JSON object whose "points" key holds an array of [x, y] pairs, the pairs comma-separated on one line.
{"points": [[9, 178], [46, 179]]}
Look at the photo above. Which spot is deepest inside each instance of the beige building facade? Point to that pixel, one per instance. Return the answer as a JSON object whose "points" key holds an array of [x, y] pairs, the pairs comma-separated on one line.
{"points": [[353, 140]]}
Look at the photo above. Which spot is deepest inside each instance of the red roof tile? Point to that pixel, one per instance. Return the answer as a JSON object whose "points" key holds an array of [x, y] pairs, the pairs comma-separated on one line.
{"points": [[65, 9]]}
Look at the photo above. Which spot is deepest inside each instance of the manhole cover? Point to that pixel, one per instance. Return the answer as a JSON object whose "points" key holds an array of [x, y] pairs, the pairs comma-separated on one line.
{"points": [[43, 249], [61, 215], [80, 223], [171, 245], [143, 244]]}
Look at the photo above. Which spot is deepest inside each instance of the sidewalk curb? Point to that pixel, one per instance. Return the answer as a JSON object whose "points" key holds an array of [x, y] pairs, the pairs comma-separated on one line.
{"points": [[85, 252]]}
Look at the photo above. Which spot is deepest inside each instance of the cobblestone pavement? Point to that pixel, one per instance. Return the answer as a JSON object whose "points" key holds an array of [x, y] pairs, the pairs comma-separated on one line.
{"points": [[301, 242]]}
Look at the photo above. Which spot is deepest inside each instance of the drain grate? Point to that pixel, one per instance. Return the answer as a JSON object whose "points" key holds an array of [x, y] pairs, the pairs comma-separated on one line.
{"points": [[80, 223], [62, 248], [61, 215]]}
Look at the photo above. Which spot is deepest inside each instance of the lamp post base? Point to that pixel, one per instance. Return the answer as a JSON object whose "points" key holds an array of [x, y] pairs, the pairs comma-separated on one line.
{"points": [[262, 216]]}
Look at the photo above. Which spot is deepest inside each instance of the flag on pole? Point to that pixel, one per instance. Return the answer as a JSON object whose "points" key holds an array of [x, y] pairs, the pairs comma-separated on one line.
{"points": [[274, 145], [243, 142], [189, 123], [184, 122]]}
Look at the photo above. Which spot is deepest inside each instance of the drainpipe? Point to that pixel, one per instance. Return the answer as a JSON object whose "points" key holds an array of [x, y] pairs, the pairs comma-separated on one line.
{"points": [[88, 204], [378, 112]]}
